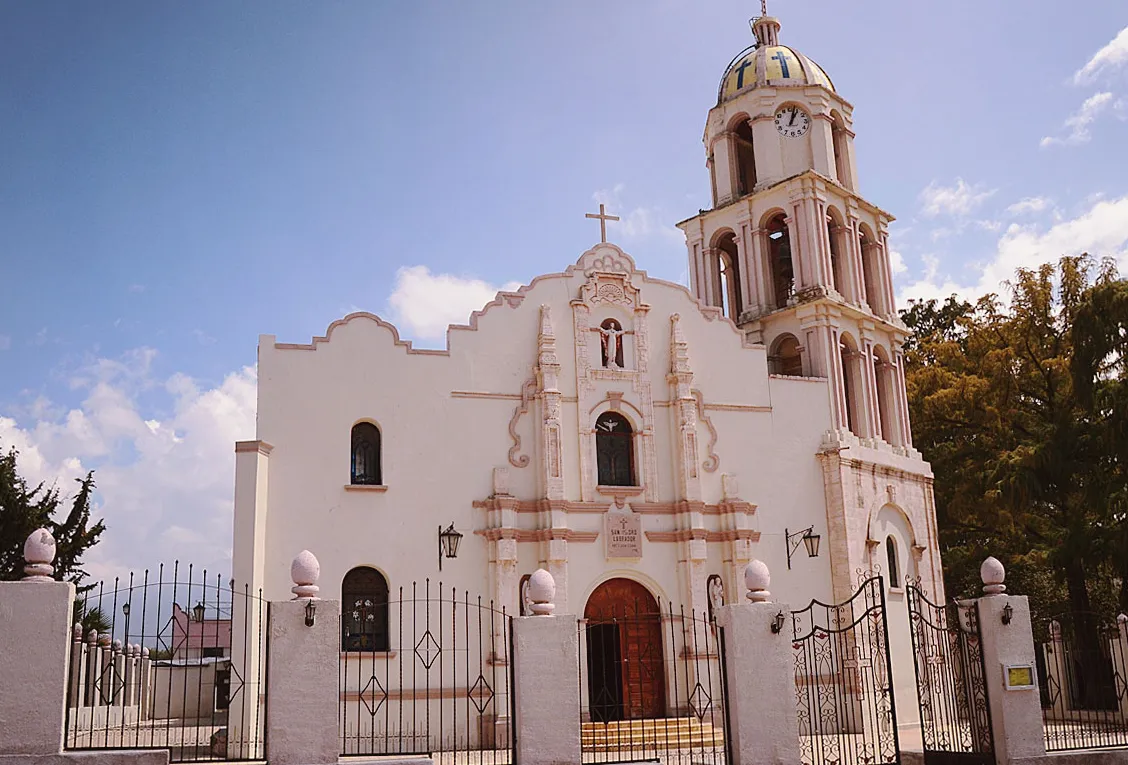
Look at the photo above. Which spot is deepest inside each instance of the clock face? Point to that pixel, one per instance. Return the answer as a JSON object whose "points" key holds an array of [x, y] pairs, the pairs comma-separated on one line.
{"points": [[792, 122]]}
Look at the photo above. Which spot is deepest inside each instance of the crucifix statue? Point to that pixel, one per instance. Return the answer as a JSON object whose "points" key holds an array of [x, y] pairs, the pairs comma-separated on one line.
{"points": [[603, 217], [610, 336]]}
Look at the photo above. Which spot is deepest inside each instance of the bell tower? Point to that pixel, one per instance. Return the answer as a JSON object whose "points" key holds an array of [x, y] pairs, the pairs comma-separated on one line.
{"points": [[790, 251], [793, 255]]}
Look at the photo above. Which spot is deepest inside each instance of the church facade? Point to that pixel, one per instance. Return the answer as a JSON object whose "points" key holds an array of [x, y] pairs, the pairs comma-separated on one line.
{"points": [[609, 426]]}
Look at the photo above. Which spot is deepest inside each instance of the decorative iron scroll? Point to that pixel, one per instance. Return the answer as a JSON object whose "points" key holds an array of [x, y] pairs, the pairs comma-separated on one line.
{"points": [[1082, 664], [843, 680], [955, 717]]}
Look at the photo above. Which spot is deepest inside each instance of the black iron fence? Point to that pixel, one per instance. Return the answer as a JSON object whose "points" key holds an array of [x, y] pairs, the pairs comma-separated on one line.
{"points": [[173, 659], [1082, 661], [652, 686], [427, 672], [955, 716], [843, 681]]}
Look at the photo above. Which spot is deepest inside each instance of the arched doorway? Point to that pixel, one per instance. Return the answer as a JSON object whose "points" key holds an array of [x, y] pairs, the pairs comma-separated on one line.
{"points": [[626, 679]]}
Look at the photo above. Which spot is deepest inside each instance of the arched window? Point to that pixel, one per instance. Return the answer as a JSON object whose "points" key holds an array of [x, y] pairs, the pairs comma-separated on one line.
{"points": [[364, 607], [745, 158], [786, 358], [614, 450], [365, 454], [779, 261], [891, 556], [728, 276]]}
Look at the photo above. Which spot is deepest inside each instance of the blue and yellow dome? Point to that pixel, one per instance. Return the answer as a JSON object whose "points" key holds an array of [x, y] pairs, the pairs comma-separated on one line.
{"points": [[770, 64]]}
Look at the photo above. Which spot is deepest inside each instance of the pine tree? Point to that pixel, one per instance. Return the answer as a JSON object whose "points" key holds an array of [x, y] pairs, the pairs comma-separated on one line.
{"points": [[24, 509]]}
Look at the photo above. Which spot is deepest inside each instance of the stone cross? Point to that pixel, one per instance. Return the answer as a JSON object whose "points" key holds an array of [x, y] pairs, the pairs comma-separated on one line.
{"points": [[603, 217]]}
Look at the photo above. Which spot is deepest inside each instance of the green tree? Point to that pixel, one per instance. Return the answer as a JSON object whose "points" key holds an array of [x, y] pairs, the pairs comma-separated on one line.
{"points": [[24, 509], [1020, 469]]}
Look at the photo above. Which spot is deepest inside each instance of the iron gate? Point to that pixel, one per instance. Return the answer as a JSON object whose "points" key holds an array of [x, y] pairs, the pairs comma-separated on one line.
{"points": [[427, 672], [955, 717], [844, 681], [652, 686]]}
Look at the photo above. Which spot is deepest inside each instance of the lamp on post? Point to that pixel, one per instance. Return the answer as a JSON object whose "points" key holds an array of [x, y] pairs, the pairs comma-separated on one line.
{"points": [[448, 543], [125, 613], [198, 612], [809, 539]]}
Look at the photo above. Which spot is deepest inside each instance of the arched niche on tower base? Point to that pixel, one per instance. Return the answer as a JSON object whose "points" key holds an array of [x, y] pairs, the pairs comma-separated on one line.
{"points": [[836, 233]]}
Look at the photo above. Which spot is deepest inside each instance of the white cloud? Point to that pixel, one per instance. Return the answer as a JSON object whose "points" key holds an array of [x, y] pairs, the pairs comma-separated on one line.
{"points": [[424, 304], [157, 477], [1108, 58], [1102, 231], [136, 288], [637, 222], [958, 200], [1029, 205], [1079, 122], [897, 262]]}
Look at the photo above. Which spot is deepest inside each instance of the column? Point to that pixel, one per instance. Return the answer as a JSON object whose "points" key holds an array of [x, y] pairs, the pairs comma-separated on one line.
{"points": [[1016, 712], [758, 262], [857, 266], [794, 240], [749, 289], [546, 652], [887, 276], [304, 663], [901, 396], [871, 416], [722, 167], [760, 675]]}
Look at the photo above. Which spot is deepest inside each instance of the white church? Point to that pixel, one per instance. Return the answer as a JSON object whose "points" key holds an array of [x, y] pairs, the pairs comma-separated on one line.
{"points": [[637, 439]]}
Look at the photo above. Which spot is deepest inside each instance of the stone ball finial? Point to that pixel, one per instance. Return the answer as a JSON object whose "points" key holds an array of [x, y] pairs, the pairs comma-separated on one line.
{"points": [[756, 579], [77, 632], [542, 591], [993, 575], [39, 554], [104, 640], [92, 637], [144, 653], [1122, 620], [305, 571]]}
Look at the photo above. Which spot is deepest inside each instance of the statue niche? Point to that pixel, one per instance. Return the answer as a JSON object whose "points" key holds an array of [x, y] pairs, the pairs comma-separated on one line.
{"points": [[611, 343]]}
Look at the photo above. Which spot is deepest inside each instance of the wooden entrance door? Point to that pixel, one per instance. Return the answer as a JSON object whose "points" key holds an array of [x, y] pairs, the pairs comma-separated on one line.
{"points": [[626, 676]]}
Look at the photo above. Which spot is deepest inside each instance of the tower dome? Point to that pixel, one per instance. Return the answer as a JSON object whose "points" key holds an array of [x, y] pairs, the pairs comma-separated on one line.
{"points": [[767, 63]]}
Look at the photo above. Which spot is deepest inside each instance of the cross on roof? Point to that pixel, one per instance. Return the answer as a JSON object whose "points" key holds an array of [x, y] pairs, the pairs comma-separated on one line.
{"points": [[603, 217], [763, 7]]}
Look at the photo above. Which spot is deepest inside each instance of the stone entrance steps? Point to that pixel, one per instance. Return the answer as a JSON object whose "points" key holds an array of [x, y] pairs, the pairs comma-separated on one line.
{"points": [[660, 733]]}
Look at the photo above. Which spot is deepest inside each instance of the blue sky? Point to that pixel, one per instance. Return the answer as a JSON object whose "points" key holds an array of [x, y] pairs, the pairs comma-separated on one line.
{"points": [[176, 179]]}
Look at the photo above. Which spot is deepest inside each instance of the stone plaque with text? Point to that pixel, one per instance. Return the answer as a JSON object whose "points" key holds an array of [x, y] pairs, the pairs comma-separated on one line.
{"points": [[624, 535]]}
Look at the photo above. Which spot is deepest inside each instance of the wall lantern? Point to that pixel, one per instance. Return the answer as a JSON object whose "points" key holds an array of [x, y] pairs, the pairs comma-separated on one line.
{"points": [[198, 612], [809, 539], [1008, 613], [125, 609], [777, 623], [448, 543], [310, 612]]}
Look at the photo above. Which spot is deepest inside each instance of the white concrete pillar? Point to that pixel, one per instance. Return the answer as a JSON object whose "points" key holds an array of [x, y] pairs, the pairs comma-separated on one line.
{"points": [[794, 239], [546, 652], [760, 675], [35, 631], [304, 663], [1016, 713]]}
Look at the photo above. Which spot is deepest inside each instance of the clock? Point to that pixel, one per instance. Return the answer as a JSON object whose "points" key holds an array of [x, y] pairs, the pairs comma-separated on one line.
{"points": [[792, 122]]}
